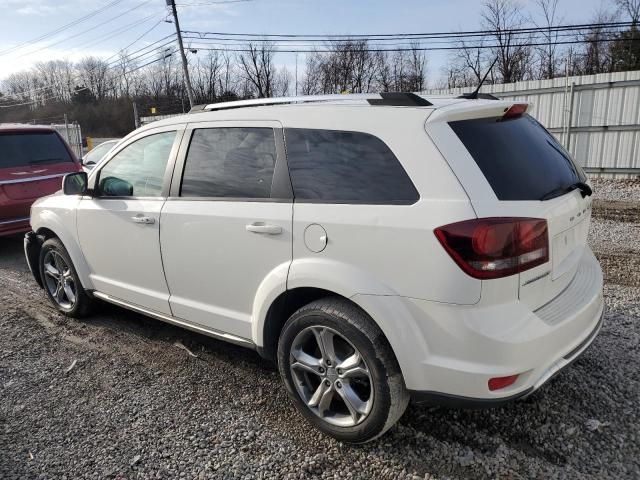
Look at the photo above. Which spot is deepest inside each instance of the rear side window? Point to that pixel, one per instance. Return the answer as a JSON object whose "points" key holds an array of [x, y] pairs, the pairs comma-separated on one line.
{"points": [[32, 149], [520, 159], [230, 162], [329, 166]]}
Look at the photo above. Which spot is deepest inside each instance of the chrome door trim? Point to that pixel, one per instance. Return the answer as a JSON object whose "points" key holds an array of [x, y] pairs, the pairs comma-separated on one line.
{"points": [[227, 337], [14, 220], [32, 179]]}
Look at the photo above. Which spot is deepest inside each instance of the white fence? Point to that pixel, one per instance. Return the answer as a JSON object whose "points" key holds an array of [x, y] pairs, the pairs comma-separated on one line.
{"points": [[155, 118], [597, 117]]}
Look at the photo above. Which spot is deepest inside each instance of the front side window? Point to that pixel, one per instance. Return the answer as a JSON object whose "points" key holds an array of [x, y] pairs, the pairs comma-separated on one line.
{"points": [[330, 166], [230, 162], [138, 169]]}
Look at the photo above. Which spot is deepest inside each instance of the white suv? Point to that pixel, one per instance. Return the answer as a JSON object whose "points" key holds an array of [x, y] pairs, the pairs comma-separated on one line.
{"points": [[378, 247]]}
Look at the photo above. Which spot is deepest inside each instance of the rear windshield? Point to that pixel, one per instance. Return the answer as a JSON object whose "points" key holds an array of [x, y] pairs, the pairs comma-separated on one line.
{"points": [[28, 149], [520, 159]]}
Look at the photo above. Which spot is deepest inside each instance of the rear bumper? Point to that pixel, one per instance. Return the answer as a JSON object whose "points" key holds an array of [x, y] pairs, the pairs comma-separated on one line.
{"points": [[456, 401], [453, 351]]}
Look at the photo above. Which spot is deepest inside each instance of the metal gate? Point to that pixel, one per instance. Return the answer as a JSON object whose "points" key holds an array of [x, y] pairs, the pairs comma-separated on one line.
{"points": [[72, 133]]}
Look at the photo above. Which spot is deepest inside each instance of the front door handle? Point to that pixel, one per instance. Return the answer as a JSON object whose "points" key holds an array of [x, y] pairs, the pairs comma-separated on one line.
{"points": [[261, 227], [144, 220]]}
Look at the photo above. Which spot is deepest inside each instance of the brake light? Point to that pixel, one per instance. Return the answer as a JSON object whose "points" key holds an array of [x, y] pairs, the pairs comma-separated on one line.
{"points": [[496, 247], [497, 383], [516, 110]]}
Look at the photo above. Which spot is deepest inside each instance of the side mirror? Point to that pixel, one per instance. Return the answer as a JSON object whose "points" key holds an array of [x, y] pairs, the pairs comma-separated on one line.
{"points": [[115, 187], [75, 183]]}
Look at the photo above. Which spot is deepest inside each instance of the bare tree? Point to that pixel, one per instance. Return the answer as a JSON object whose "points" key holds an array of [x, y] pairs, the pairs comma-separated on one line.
{"points": [[473, 59], [282, 83], [311, 83], [205, 77], [631, 8], [258, 68], [511, 50], [417, 69], [548, 53], [595, 56], [94, 73]]}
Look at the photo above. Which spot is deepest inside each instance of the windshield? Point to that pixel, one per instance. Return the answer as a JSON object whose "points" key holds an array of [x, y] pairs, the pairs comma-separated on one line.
{"points": [[99, 151], [520, 159], [32, 149]]}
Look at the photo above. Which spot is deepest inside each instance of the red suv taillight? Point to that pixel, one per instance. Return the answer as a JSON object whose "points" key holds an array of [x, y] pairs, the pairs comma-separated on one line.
{"points": [[496, 247]]}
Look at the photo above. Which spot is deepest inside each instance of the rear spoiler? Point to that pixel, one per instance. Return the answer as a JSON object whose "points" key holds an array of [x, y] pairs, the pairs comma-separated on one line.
{"points": [[479, 109]]}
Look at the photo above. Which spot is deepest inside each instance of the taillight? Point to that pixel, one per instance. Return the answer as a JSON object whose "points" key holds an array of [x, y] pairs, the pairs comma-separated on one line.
{"points": [[496, 247], [516, 110]]}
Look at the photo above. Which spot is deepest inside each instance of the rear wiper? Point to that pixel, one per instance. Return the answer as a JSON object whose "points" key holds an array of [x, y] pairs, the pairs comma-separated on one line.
{"points": [[585, 190]]}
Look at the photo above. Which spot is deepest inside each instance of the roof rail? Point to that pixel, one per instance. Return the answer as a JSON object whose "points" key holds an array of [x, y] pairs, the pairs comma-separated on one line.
{"points": [[380, 99]]}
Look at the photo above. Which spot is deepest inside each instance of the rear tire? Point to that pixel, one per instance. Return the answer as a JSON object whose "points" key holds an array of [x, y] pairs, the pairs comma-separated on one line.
{"points": [[61, 281], [340, 371]]}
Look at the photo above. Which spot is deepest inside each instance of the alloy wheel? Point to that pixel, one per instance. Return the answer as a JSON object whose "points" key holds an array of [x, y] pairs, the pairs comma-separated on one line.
{"points": [[331, 376], [59, 280]]}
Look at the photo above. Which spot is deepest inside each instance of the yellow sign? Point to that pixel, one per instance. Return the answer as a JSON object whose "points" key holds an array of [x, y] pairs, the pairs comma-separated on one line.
{"points": [[153, 110]]}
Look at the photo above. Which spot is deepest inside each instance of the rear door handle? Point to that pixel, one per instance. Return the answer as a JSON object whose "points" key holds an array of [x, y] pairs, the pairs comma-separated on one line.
{"points": [[260, 227], [143, 220]]}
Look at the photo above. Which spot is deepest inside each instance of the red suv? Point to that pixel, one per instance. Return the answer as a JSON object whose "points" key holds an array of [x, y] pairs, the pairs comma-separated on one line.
{"points": [[33, 160]]}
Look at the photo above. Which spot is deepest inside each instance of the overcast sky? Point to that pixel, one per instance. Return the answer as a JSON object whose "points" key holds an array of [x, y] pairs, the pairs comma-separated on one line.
{"points": [[24, 20]]}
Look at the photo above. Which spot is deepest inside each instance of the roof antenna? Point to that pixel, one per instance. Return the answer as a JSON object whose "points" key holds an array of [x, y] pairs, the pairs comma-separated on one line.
{"points": [[474, 95]]}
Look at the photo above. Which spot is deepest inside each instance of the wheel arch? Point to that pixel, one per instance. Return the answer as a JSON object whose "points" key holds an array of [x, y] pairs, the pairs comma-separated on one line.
{"points": [[293, 284], [390, 312], [71, 244]]}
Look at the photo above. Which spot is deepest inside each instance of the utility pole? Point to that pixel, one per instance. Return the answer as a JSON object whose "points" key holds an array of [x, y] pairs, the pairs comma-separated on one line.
{"points": [[187, 80], [136, 118], [66, 128]]}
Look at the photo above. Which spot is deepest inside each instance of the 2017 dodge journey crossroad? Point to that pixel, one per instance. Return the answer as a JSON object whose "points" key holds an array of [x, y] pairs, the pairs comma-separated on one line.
{"points": [[378, 247]]}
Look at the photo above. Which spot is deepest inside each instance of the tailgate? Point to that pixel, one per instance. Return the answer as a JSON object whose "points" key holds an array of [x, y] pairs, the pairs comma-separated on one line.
{"points": [[568, 218], [510, 166]]}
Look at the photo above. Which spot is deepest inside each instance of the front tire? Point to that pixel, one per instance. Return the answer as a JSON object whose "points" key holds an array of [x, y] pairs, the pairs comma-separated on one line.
{"points": [[340, 371], [61, 281]]}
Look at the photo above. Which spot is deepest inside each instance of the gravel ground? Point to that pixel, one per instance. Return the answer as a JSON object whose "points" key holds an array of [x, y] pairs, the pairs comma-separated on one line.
{"points": [[114, 397], [611, 189]]}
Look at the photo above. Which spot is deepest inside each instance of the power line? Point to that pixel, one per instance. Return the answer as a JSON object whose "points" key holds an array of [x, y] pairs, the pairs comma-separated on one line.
{"points": [[371, 43], [120, 30], [585, 26], [91, 29], [130, 56], [110, 66], [412, 49], [60, 29], [211, 4], [136, 40]]}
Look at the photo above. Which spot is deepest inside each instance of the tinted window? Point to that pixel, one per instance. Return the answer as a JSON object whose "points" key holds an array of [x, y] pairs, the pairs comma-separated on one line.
{"points": [[140, 165], [230, 162], [520, 159], [32, 149], [345, 167]]}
